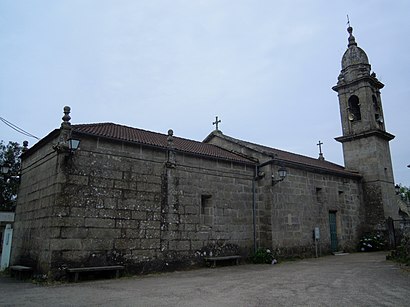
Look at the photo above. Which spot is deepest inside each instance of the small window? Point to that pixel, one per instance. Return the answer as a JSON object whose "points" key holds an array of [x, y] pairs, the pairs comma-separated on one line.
{"points": [[341, 195], [207, 210], [375, 103], [319, 195], [354, 109]]}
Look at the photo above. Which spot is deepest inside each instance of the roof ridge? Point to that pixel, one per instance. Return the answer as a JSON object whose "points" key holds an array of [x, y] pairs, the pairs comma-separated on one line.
{"points": [[285, 156], [140, 129], [157, 139], [281, 150]]}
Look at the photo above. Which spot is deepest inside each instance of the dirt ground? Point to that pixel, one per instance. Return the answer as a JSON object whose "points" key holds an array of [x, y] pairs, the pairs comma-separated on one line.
{"points": [[362, 279]]}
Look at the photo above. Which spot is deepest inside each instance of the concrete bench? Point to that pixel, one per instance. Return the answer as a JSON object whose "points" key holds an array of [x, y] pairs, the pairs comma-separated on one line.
{"points": [[21, 270], [77, 271], [213, 260]]}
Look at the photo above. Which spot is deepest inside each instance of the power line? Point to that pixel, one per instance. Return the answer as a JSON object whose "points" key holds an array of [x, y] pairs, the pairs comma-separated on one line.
{"points": [[18, 129]]}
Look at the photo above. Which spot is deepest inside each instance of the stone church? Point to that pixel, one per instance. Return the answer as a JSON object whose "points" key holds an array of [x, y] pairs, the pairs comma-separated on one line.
{"points": [[153, 201]]}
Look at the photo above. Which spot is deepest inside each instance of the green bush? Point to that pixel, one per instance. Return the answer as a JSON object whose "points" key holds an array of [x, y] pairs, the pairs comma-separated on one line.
{"points": [[372, 242], [263, 255], [402, 252]]}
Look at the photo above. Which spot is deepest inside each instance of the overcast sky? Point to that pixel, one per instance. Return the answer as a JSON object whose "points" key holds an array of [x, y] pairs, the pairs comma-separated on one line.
{"points": [[265, 67]]}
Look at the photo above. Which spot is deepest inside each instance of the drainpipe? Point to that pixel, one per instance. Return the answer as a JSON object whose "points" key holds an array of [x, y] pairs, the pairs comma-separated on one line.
{"points": [[254, 207]]}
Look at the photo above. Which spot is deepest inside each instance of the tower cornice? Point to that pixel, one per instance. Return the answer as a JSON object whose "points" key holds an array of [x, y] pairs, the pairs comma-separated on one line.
{"points": [[381, 134], [372, 80]]}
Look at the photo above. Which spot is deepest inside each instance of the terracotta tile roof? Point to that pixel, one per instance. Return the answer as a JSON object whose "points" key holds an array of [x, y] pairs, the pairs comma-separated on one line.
{"points": [[308, 161], [134, 135], [288, 157]]}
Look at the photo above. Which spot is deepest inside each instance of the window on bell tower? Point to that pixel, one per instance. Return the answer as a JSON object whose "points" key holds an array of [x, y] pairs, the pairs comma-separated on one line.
{"points": [[354, 108], [375, 103]]}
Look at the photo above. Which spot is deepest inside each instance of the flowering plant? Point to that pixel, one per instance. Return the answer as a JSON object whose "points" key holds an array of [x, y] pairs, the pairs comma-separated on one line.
{"points": [[372, 242], [263, 255]]}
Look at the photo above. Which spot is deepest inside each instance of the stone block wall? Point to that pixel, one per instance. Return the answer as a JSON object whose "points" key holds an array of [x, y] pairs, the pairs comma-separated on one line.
{"points": [[122, 203], [40, 187], [303, 201], [374, 162], [119, 203], [288, 211]]}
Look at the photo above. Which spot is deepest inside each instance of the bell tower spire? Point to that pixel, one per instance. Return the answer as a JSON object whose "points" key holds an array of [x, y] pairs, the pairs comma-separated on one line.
{"points": [[365, 140]]}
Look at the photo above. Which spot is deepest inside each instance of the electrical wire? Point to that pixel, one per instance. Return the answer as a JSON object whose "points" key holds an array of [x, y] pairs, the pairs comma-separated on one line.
{"points": [[18, 129]]}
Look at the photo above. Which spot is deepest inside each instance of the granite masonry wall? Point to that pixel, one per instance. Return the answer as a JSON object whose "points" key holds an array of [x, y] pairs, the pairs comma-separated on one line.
{"points": [[304, 201], [40, 188], [121, 203], [115, 202], [373, 160], [289, 211]]}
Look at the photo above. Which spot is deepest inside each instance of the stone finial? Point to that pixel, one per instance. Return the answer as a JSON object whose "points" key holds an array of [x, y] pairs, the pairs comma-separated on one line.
{"points": [[352, 40], [171, 149], [170, 138], [66, 118], [25, 146], [65, 131]]}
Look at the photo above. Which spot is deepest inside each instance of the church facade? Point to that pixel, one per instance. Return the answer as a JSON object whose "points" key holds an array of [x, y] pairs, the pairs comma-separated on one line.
{"points": [[155, 201]]}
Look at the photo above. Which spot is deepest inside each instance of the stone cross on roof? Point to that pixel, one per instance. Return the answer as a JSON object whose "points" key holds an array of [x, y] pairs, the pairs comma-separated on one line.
{"points": [[320, 150], [216, 122]]}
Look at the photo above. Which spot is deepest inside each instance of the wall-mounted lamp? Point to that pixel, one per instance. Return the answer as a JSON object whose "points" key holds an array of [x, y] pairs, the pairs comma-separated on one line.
{"points": [[7, 172], [5, 168], [68, 147], [397, 189], [73, 144], [282, 172]]}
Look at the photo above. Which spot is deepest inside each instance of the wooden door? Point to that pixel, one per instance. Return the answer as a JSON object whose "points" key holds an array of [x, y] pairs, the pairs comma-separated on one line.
{"points": [[333, 231]]}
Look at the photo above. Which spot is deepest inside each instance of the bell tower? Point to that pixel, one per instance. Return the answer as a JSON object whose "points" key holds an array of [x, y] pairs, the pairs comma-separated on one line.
{"points": [[364, 138]]}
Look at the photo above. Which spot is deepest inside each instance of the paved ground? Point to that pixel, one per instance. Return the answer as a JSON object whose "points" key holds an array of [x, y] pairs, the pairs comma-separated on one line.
{"points": [[364, 279]]}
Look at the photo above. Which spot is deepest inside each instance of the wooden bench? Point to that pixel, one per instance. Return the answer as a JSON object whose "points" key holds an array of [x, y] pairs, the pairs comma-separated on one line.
{"points": [[21, 270], [77, 271], [213, 260]]}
